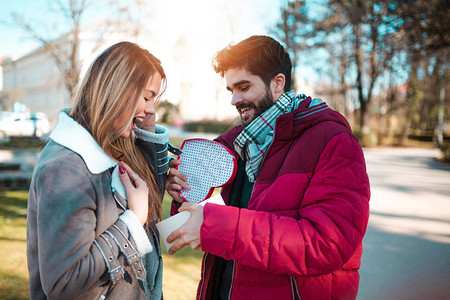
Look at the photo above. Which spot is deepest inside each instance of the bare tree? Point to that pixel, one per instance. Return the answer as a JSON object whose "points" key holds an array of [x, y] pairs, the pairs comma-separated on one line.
{"points": [[3, 99], [350, 32], [367, 24], [424, 28], [130, 18], [64, 50], [292, 32]]}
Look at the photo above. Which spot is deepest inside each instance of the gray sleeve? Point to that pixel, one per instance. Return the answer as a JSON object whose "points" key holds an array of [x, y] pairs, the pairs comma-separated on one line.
{"points": [[72, 259], [154, 146]]}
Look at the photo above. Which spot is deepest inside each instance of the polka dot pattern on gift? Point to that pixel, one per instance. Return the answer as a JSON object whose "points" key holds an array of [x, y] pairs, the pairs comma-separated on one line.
{"points": [[207, 165]]}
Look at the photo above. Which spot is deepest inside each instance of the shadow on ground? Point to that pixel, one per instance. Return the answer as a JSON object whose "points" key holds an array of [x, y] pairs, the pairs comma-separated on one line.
{"points": [[400, 266]]}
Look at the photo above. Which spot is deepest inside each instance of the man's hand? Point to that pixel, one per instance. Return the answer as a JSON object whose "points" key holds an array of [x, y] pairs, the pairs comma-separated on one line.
{"points": [[189, 232], [175, 182]]}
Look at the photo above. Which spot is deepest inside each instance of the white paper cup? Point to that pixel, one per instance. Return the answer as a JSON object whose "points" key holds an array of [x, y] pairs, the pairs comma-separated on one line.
{"points": [[167, 226], [170, 224]]}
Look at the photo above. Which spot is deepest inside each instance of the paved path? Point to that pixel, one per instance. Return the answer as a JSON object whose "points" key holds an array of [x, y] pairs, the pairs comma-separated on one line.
{"points": [[407, 245]]}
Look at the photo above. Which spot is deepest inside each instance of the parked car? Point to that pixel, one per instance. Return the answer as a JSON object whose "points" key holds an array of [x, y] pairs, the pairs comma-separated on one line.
{"points": [[23, 124]]}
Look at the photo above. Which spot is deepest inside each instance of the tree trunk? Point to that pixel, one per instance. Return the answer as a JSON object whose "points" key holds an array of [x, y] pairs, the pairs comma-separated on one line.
{"points": [[440, 131], [411, 99], [359, 72]]}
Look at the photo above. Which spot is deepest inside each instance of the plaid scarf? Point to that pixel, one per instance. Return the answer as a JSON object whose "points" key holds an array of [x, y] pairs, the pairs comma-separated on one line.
{"points": [[254, 140]]}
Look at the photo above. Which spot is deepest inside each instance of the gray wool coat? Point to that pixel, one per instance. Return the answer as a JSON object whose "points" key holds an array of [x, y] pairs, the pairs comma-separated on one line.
{"points": [[82, 241]]}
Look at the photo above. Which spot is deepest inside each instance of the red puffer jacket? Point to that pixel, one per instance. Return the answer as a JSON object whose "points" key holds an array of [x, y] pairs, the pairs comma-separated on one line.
{"points": [[301, 236]]}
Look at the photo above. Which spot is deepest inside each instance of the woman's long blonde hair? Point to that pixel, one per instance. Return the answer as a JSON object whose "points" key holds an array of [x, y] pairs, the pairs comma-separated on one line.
{"points": [[113, 86]]}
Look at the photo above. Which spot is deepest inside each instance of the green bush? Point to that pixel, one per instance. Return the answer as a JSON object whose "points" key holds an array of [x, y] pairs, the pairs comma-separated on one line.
{"points": [[23, 143], [445, 149], [366, 139]]}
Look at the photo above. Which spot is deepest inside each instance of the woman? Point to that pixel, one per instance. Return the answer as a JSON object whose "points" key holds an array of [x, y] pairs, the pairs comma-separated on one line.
{"points": [[97, 183]]}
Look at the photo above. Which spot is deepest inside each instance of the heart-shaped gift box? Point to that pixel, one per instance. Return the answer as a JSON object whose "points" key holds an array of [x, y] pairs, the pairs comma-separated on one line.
{"points": [[207, 165]]}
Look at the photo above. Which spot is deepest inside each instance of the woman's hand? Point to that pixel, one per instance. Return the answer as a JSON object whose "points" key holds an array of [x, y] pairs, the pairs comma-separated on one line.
{"points": [[148, 123], [137, 192], [175, 182]]}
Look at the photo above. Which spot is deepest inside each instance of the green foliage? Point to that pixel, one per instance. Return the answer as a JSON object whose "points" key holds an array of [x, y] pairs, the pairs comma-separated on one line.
{"points": [[445, 149], [176, 141], [13, 266], [23, 143], [366, 139], [168, 112]]}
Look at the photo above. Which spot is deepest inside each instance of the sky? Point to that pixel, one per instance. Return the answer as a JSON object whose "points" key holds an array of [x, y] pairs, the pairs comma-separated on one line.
{"points": [[14, 41]]}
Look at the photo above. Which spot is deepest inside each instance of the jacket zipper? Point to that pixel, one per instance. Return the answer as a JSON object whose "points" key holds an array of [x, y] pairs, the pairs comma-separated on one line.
{"points": [[234, 263], [105, 292], [232, 278], [203, 275], [294, 289], [118, 202]]}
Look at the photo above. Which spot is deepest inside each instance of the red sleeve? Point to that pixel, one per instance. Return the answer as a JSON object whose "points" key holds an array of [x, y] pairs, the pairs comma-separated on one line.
{"points": [[174, 207], [333, 219]]}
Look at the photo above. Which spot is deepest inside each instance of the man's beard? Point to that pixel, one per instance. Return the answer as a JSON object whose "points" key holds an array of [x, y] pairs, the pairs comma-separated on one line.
{"points": [[261, 106]]}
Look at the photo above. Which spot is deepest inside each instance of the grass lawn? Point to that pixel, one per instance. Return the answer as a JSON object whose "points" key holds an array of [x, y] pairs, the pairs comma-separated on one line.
{"points": [[13, 261], [180, 276]]}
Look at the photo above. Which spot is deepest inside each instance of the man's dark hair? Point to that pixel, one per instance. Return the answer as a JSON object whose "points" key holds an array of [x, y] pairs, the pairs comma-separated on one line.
{"points": [[260, 55]]}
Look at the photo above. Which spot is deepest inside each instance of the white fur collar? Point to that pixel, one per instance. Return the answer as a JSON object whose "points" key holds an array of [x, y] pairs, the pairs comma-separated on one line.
{"points": [[72, 135], [75, 137]]}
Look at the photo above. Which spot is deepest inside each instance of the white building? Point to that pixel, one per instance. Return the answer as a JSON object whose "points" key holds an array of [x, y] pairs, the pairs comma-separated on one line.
{"points": [[2, 59], [34, 80]]}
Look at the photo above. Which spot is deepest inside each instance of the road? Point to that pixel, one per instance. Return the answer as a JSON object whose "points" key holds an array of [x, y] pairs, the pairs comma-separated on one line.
{"points": [[407, 244]]}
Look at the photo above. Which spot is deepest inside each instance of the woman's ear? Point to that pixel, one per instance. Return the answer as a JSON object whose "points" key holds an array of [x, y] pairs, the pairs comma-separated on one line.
{"points": [[277, 85]]}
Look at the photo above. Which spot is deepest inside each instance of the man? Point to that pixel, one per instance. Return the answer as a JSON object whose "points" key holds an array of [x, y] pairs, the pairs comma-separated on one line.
{"points": [[298, 207]]}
